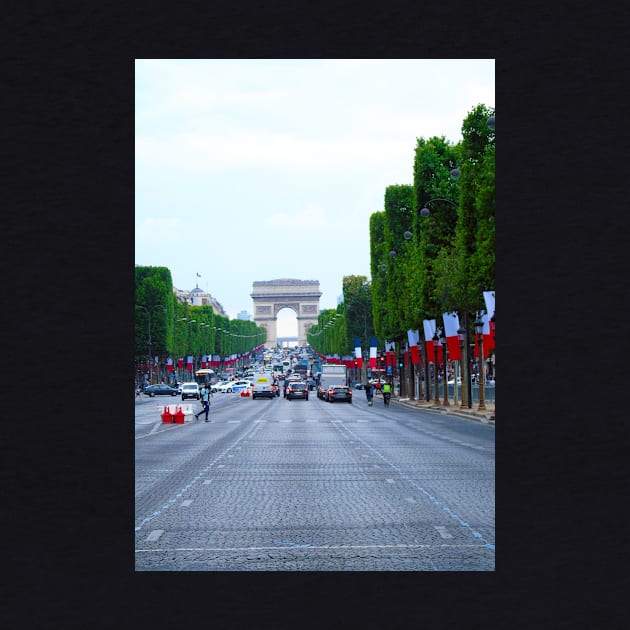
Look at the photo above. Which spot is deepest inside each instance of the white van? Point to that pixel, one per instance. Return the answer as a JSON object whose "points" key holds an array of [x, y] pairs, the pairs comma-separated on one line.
{"points": [[190, 390], [262, 381]]}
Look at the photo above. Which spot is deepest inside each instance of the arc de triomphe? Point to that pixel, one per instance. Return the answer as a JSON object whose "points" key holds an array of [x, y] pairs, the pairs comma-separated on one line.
{"points": [[271, 296]]}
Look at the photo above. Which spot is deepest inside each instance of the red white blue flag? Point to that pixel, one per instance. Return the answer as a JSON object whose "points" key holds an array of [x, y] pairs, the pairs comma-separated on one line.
{"points": [[357, 352], [429, 331], [413, 337], [451, 326], [373, 352]]}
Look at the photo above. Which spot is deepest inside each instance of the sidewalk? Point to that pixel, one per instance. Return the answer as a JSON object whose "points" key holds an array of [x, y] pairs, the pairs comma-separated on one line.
{"points": [[486, 417]]}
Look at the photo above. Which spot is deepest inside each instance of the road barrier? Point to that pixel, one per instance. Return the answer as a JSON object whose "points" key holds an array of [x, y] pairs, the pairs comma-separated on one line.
{"points": [[175, 413]]}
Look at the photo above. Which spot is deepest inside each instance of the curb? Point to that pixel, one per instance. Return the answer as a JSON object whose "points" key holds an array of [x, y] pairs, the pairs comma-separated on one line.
{"points": [[488, 418]]}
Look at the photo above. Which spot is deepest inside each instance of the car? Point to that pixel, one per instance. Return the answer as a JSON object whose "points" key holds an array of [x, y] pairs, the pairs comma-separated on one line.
{"points": [[190, 390], [373, 381], [287, 382], [222, 387], [160, 390], [241, 384], [231, 386], [297, 389], [339, 392]]}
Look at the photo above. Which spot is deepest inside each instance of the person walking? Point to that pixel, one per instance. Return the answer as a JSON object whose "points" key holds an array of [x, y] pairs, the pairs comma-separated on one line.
{"points": [[387, 393], [205, 394], [369, 393]]}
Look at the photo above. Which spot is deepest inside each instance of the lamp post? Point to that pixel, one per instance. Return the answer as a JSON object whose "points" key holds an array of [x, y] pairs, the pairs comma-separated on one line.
{"points": [[436, 344], [425, 212], [444, 370], [461, 334], [479, 331]]}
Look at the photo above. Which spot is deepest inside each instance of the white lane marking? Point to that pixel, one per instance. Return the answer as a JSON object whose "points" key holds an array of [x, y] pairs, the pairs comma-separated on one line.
{"points": [[442, 531], [207, 481], [233, 421], [290, 549], [155, 534], [389, 480], [186, 503], [410, 499], [221, 466]]}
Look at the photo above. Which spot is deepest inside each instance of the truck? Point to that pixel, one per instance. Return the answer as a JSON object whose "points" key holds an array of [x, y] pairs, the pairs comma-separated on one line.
{"points": [[331, 374]]}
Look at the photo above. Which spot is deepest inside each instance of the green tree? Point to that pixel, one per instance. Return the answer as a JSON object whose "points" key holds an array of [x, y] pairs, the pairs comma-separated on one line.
{"points": [[475, 227], [154, 304], [435, 190]]}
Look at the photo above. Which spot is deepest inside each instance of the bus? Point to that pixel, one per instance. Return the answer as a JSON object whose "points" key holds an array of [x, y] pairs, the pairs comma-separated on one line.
{"points": [[204, 376]]}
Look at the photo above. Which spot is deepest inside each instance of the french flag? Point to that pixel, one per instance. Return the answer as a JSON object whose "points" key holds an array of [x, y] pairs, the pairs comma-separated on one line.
{"points": [[429, 331], [488, 340], [169, 364], [488, 297], [372, 352], [190, 363], [413, 337], [451, 326], [357, 352]]}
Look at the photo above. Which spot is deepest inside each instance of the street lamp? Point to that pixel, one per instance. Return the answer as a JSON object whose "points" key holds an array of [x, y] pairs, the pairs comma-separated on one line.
{"points": [[436, 344], [461, 335], [479, 331], [425, 212], [444, 370]]}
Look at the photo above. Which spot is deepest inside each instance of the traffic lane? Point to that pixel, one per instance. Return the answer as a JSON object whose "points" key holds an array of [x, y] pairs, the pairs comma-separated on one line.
{"points": [[308, 488], [170, 456]]}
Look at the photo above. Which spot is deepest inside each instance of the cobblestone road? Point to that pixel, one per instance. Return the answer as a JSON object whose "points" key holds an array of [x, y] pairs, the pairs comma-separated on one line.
{"points": [[312, 486]]}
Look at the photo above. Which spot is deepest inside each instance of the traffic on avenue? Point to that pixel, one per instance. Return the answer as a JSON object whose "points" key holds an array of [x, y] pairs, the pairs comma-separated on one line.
{"points": [[306, 484]]}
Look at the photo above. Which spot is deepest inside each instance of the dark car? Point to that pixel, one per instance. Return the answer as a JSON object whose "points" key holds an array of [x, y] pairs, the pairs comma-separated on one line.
{"points": [[160, 390], [339, 392], [298, 389], [287, 382]]}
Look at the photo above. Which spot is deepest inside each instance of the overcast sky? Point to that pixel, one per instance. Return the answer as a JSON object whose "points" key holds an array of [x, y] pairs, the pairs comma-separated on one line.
{"points": [[253, 170]]}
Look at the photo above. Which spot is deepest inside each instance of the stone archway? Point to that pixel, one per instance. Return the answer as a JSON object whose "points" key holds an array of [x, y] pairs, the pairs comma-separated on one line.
{"points": [[271, 296]]}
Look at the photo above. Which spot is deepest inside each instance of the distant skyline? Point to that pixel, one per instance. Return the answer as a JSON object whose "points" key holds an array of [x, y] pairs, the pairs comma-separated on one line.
{"points": [[250, 170]]}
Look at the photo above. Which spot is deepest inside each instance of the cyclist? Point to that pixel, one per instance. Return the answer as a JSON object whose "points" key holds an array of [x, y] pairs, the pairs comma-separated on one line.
{"points": [[387, 393]]}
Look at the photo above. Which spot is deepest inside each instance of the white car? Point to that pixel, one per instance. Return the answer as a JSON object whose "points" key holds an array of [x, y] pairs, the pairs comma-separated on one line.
{"points": [[231, 386], [221, 386], [241, 384], [190, 390], [373, 381]]}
